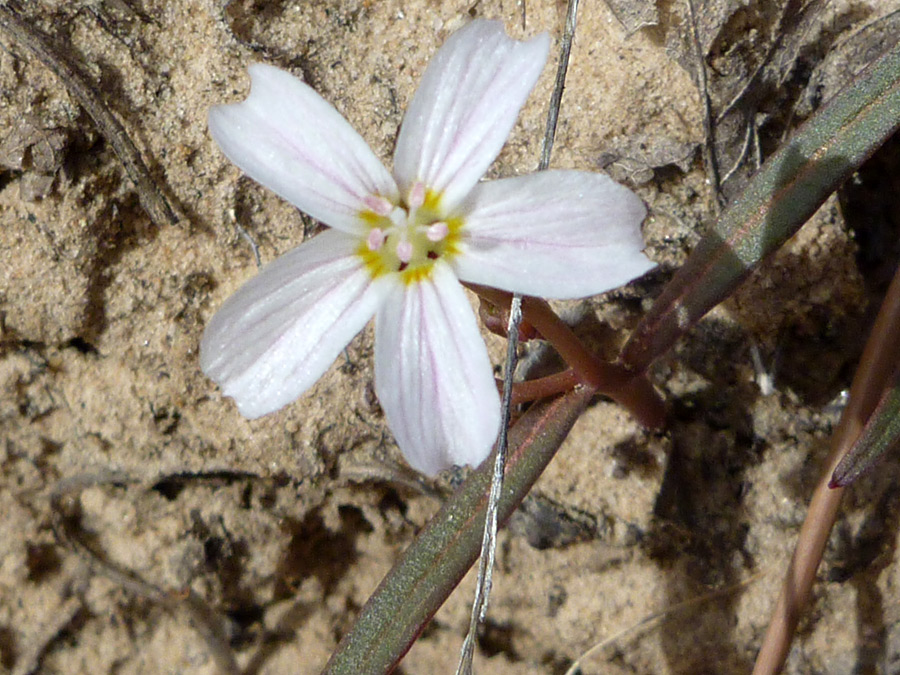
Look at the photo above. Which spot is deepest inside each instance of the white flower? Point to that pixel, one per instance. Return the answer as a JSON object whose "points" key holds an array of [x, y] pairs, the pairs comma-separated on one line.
{"points": [[400, 244]]}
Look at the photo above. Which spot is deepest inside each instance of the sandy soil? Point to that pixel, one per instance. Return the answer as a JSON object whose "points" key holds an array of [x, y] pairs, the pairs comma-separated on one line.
{"points": [[160, 494]]}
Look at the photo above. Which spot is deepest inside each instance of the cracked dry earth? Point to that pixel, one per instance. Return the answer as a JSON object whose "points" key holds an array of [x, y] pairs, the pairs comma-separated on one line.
{"points": [[138, 507]]}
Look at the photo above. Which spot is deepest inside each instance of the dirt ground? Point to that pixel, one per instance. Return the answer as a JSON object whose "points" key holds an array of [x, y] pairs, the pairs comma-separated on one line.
{"points": [[132, 491]]}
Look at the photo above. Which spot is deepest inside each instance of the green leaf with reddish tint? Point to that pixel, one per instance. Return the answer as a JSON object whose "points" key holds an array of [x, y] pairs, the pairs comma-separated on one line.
{"points": [[788, 189], [443, 552], [880, 436]]}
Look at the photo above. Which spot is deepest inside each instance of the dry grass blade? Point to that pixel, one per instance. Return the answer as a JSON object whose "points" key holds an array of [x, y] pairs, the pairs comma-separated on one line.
{"points": [[489, 539], [787, 190], [655, 619], [709, 128], [152, 199], [880, 437]]}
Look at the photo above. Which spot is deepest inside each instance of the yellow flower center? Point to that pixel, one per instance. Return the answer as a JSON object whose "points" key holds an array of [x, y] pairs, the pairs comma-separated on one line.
{"points": [[407, 238]]}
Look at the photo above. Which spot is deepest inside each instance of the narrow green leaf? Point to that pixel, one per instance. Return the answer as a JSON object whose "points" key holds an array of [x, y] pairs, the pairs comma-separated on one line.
{"points": [[880, 436], [788, 189], [438, 559]]}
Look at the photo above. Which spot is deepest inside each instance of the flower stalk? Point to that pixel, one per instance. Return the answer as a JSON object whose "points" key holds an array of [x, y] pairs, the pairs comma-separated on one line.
{"points": [[633, 392]]}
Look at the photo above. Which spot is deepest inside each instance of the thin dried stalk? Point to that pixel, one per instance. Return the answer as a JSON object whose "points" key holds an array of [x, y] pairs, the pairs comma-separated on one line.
{"points": [[709, 126], [150, 195], [489, 540], [876, 366], [444, 550]]}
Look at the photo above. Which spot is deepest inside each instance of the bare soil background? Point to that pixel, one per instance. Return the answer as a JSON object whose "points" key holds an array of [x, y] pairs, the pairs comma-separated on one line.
{"points": [[131, 491]]}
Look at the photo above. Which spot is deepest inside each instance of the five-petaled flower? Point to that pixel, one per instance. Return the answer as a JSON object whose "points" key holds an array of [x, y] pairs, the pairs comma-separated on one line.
{"points": [[400, 244]]}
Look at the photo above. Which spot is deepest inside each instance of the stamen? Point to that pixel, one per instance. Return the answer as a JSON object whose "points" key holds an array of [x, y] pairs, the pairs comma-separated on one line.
{"points": [[404, 251], [379, 205], [416, 195], [376, 238], [437, 231]]}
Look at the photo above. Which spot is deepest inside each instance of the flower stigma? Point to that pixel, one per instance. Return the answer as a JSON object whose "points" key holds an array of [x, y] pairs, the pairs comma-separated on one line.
{"points": [[407, 238]]}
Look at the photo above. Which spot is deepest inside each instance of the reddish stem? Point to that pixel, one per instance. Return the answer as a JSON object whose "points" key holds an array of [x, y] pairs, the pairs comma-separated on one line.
{"points": [[542, 387], [634, 392], [876, 365]]}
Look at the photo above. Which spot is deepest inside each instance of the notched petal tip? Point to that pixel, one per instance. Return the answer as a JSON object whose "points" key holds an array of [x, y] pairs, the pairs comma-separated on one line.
{"points": [[287, 137], [465, 106]]}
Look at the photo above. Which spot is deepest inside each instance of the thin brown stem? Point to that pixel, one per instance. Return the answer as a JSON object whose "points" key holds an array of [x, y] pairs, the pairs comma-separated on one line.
{"points": [[634, 392], [876, 365]]}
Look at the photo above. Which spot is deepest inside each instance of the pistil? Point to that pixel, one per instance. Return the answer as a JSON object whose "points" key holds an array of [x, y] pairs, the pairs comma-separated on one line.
{"points": [[406, 238], [437, 231], [404, 250]]}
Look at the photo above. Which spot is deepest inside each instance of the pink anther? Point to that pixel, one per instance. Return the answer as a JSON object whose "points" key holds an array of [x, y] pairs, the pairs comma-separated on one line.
{"points": [[375, 240], [378, 204], [416, 195]]}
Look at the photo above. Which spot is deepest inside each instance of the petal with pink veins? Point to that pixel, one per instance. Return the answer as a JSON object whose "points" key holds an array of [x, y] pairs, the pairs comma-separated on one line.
{"points": [[294, 142], [555, 234], [433, 376], [465, 107], [279, 333]]}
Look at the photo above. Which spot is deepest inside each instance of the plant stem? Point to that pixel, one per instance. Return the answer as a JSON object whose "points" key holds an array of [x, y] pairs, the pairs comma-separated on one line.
{"points": [[632, 391], [543, 387], [435, 562], [876, 366]]}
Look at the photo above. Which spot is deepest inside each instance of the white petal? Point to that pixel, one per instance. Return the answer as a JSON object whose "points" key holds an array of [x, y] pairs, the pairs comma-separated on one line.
{"points": [[433, 376], [556, 234], [281, 330], [465, 107], [293, 141]]}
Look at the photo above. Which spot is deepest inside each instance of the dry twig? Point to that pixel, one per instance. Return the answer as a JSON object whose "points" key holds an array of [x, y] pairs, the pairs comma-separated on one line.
{"points": [[709, 129], [19, 31]]}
